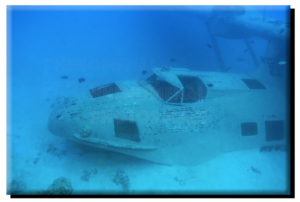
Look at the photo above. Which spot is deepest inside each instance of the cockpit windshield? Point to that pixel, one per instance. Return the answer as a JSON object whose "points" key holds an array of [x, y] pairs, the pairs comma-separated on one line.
{"points": [[193, 89], [164, 89]]}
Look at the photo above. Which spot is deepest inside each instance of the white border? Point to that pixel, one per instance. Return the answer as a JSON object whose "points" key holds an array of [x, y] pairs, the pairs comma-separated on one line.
{"points": [[4, 3]]}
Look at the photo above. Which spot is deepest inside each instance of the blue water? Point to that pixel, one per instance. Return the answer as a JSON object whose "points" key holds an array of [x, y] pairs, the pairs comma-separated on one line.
{"points": [[106, 44]]}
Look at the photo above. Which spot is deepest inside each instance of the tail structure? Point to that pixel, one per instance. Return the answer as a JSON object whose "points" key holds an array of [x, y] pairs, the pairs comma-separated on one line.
{"points": [[251, 51], [276, 57], [236, 23]]}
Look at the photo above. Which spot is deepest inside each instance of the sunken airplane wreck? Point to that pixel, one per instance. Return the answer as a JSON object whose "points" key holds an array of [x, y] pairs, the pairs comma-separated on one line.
{"points": [[176, 116]]}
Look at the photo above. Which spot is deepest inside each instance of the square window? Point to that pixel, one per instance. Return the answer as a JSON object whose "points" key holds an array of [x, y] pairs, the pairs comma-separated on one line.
{"points": [[253, 84], [249, 128], [274, 130], [104, 90], [126, 130]]}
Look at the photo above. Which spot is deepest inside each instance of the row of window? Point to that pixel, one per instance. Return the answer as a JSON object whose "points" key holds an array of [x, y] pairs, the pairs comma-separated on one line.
{"points": [[274, 129], [193, 88]]}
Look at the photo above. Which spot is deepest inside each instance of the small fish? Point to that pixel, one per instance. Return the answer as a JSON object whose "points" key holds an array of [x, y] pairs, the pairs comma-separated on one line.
{"points": [[208, 45], [64, 77], [255, 170], [172, 60], [144, 72], [283, 62], [81, 80]]}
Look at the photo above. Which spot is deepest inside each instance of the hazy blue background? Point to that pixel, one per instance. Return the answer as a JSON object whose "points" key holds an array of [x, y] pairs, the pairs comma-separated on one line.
{"points": [[101, 44]]}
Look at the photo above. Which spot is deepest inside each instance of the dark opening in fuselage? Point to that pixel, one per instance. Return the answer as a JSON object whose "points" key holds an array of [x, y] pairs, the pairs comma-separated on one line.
{"points": [[193, 89]]}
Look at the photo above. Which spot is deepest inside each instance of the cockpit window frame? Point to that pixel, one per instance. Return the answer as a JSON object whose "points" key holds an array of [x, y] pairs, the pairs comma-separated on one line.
{"points": [[161, 94], [179, 91]]}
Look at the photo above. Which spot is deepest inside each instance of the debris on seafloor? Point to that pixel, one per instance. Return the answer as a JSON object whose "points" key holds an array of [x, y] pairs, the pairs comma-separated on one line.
{"points": [[179, 180], [81, 80], [255, 170], [121, 178], [16, 187], [60, 186], [37, 158], [55, 151], [64, 77], [87, 174]]}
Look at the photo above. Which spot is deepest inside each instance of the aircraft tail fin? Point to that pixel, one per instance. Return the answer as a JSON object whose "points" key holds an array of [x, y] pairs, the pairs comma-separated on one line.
{"points": [[274, 63]]}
